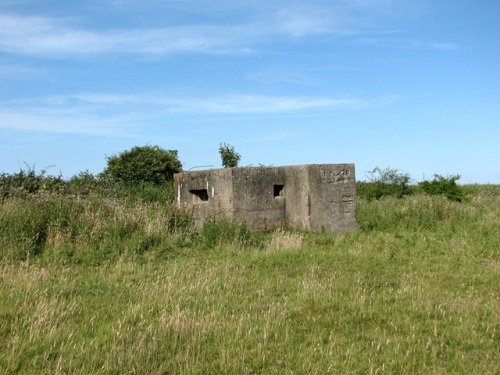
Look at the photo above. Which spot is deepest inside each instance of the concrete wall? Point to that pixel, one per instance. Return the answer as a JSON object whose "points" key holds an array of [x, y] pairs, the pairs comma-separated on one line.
{"points": [[254, 197], [306, 197], [205, 193], [332, 188], [296, 193]]}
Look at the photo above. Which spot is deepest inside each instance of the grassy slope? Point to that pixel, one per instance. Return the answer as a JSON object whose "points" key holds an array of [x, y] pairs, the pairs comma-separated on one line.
{"points": [[414, 290]]}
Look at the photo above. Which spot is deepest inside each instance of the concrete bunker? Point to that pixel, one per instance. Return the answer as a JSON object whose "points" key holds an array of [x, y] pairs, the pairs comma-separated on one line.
{"points": [[317, 197]]}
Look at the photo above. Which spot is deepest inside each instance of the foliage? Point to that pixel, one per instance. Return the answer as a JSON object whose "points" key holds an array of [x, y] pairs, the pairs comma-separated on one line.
{"points": [[28, 181], [47, 217], [118, 287], [230, 158], [445, 186], [390, 182], [144, 164], [385, 182]]}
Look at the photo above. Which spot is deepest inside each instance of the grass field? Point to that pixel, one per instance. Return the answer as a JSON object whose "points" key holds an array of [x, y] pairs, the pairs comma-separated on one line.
{"points": [[94, 285]]}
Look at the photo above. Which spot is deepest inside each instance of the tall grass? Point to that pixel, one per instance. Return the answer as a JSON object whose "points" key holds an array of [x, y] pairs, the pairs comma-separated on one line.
{"points": [[90, 284], [416, 213], [89, 230]]}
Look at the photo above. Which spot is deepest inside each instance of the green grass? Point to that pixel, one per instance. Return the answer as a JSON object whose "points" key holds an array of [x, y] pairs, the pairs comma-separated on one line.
{"points": [[94, 285]]}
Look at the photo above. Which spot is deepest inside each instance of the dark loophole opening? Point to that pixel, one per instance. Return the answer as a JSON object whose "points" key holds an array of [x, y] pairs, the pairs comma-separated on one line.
{"points": [[278, 190], [202, 194]]}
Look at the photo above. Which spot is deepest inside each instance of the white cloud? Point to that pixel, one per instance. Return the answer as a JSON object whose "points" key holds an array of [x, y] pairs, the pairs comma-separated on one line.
{"points": [[229, 104], [249, 104], [55, 37], [123, 115], [307, 20], [193, 26], [53, 121], [444, 46], [17, 71], [46, 36]]}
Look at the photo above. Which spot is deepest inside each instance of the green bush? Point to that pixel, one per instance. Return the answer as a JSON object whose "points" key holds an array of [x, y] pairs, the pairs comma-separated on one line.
{"points": [[390, 182], [445, 186], [29, 181], [383, 183], [144, 164], [84, 183]]}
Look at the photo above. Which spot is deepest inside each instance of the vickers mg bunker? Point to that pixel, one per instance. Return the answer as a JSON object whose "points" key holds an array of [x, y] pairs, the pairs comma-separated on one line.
{"points": [[313, 197]]}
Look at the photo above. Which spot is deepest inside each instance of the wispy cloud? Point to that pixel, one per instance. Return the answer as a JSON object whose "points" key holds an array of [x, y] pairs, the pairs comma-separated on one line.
{"points": [[56, 37], [444, 46], [226, 104], [123, 114], [46, 36], [310, 20], [215, 104], [250, 104], [60, 121], [17, 71], [190, 26]]}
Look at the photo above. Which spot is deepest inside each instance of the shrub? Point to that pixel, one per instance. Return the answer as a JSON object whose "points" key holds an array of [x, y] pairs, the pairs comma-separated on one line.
{"points": [[83, 183], [445, 186], [385, 182], [144, 164], [29, 181]]}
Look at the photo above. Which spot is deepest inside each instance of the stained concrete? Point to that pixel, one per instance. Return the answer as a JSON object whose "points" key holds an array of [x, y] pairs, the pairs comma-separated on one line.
{"points": [[316, 197]]}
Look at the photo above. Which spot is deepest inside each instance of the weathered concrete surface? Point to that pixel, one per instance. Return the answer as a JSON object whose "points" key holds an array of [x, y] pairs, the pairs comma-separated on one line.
{"points": [[313, 197]]}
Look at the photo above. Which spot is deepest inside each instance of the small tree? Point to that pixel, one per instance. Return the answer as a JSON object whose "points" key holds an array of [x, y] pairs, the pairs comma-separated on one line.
{"points": [[385, 182], [144, 164], [230, 158]]}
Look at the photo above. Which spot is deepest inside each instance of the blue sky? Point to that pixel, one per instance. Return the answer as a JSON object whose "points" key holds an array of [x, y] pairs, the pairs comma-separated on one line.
{"points": [[412, 85]]}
